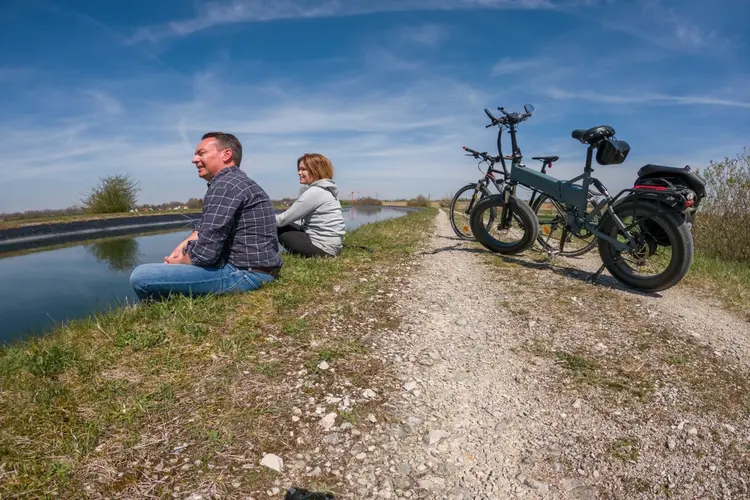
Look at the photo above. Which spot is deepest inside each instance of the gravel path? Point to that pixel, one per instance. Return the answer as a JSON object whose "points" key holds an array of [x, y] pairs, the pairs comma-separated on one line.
{"points": [[508, 389]]}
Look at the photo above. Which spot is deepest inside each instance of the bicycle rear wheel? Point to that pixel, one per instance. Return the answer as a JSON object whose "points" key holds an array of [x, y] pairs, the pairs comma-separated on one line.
{"points": [[504, 228], [461, 205], [664, 246], [553, 236]]}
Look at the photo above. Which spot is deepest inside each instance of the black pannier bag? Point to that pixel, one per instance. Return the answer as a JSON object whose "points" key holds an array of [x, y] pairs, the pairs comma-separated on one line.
{"points": [[612, 152]]}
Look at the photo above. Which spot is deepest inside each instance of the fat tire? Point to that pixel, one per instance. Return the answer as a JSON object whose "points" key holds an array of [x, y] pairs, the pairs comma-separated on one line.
{"points": [[676, 229], [469, 187], [576, 253], [520, 208]]}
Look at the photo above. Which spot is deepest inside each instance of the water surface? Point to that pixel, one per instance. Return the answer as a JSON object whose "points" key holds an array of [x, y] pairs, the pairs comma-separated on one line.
{"points": [[45, 288]]}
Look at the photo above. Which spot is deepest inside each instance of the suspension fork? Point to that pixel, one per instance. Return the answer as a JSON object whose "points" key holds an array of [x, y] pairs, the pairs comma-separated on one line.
{"points": [[507, 212], [481, 184]]}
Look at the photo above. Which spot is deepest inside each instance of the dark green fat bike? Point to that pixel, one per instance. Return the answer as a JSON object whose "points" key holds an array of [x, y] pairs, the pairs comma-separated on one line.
{"points": [[643, 233]]}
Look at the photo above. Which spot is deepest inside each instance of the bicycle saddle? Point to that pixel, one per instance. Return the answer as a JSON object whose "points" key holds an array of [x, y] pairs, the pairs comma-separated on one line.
{"points": [[593, 134], [546, 159]]}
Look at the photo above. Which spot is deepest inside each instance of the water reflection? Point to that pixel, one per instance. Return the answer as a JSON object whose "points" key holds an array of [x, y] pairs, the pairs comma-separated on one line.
{"points": [[365, 210], [120, 254]]}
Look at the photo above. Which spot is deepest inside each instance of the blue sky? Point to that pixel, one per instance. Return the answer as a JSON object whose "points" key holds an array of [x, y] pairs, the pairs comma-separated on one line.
{"points": [[390, 90]]}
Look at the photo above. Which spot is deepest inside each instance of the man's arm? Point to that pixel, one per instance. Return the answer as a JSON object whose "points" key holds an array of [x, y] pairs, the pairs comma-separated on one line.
{"points": [[215, 227]]}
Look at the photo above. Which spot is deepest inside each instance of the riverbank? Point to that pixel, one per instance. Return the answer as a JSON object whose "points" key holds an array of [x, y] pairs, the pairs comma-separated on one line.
{"points": [[175, 396], [11, 224], [58, 232]]}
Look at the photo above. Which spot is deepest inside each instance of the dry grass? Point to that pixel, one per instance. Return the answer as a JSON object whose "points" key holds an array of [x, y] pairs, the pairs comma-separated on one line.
{"points": [[186, 395]]}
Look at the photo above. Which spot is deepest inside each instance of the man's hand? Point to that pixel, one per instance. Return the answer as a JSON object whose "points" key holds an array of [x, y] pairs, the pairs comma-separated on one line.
{"points": [[180, 259], [178, 254]]}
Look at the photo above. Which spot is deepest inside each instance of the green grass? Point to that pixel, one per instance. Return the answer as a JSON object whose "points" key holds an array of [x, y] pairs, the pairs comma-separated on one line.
{"points": [[103, 401], [726, 280]]}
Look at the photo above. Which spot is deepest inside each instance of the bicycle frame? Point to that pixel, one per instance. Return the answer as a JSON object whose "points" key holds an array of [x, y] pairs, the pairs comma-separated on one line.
{"points": [[574, 196], [489, 175]]}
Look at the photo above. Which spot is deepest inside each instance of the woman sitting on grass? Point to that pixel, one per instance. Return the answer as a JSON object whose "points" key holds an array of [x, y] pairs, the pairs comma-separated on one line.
{"points": [[321, 232]]}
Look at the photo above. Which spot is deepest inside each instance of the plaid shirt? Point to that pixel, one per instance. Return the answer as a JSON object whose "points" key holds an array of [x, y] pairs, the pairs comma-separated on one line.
{"points": [[238, 224]]}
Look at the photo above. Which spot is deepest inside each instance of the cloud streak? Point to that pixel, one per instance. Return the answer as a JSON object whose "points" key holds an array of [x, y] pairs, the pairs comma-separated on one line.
{"points": [[217, 13], [648, 98]]}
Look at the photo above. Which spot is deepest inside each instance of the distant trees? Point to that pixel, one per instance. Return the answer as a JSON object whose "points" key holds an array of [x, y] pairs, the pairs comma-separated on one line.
{"points": [[113, 194], [195, 203], [419, 201], [367, 200]]}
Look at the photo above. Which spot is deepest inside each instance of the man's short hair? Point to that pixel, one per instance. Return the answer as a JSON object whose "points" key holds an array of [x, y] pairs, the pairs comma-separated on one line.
{"points": [[227, 141]]}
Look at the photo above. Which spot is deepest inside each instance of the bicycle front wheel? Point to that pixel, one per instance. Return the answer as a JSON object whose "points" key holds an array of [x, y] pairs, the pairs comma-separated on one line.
{"points": [[461, 205], [506, 228], [553, 237]]}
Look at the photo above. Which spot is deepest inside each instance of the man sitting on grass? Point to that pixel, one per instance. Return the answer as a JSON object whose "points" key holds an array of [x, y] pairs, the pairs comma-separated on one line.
{"points": [[235, 248]]}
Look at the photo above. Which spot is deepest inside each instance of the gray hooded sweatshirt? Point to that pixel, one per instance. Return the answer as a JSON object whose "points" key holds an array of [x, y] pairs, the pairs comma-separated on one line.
{"points": [[319, 212]]}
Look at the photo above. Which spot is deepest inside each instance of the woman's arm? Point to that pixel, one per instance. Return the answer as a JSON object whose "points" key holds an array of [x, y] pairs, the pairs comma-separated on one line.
{"points": [[304, 205]]}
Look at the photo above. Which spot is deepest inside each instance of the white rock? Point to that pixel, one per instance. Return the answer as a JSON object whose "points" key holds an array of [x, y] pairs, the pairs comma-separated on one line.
{"points": [[577, 404], [368, 393], [410, 386], [434, 437], [323, 366], [372, 418], [328, 421], [273, 462]]}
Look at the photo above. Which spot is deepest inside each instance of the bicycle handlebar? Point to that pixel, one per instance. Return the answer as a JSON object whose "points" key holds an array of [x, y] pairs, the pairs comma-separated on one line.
{"points": [[508, 119], [492, 118], [477, 154]]}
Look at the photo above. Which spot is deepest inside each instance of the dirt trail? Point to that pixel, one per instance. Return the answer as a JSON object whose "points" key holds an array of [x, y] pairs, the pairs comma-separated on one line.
{"points": [[516, 379]]}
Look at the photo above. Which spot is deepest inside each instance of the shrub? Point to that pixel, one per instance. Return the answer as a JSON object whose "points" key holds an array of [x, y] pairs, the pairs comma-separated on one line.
{"points": [[419, 201], [367, 200], [722, 225], [113, 194]]}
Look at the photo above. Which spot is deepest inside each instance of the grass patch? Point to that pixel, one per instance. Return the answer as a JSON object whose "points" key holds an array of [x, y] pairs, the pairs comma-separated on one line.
{"points": [[626, 449], [729, 281], [117, 402]]}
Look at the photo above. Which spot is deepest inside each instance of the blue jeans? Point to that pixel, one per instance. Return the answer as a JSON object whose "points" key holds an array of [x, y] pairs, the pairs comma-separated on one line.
{"points": [[153, 281]]}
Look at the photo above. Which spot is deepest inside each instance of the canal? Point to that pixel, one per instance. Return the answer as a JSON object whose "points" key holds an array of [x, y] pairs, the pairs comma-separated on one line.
{"points": [[43, 288]]}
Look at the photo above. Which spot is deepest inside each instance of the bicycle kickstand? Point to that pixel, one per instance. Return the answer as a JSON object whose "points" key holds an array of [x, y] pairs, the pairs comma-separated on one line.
{"points": [[594, 276]]}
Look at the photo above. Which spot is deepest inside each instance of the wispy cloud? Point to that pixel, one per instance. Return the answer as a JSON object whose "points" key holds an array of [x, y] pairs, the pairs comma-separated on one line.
{"points": [[217, 13], [427, 35], [668, 27], [655, 98], [509, 66], [12, 74]]}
